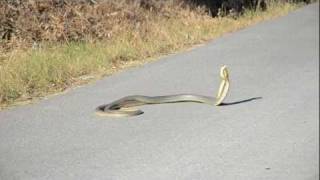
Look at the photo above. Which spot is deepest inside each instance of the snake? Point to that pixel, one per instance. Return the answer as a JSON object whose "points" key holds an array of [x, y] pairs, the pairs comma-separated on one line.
{"points": [[125, 107]]}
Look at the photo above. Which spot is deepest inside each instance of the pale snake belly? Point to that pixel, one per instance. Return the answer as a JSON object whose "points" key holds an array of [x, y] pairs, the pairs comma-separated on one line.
{"points": [[123, 106]]}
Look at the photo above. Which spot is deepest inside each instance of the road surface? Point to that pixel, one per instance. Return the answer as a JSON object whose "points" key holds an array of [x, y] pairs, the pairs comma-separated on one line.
{"points": [[275, 137]]}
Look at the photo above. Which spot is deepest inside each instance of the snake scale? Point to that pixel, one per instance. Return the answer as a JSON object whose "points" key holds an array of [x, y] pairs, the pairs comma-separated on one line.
{"points": [[124, 106]]}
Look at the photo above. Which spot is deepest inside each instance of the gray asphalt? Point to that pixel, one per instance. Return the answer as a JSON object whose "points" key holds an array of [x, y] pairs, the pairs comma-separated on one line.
{"points": [[275, 137]]}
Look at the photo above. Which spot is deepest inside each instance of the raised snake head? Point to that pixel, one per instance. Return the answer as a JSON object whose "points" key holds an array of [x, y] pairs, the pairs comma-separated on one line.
{"points": [[224, 85]]}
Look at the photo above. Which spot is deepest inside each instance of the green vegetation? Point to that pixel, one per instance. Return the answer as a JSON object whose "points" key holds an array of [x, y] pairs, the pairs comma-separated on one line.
{"points": [[26, 73]]}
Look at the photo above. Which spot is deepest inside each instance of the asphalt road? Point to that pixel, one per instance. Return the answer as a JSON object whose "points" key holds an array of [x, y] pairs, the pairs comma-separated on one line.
{"points": [[275, 137]]}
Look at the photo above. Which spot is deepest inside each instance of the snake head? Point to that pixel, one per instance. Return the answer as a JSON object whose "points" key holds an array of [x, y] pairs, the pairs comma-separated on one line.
{"points": [[224, 73], [224, 85]]}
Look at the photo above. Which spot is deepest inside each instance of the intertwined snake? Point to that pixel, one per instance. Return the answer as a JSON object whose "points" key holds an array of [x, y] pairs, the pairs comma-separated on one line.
{"points": [[123, 106]]}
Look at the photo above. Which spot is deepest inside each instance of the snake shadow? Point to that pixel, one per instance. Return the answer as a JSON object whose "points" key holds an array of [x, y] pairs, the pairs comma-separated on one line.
{"points": [[239, 102]]}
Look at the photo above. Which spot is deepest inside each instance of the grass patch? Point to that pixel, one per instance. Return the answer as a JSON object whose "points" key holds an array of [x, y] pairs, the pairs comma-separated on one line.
{"points": [[30, 73]]}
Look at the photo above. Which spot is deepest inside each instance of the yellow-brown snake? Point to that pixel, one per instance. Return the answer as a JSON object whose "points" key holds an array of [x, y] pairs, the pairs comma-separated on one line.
{"points": [[123, 106]]}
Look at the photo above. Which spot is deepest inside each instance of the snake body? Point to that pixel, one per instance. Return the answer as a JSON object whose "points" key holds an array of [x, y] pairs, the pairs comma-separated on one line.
{"points": [[123, 106]]}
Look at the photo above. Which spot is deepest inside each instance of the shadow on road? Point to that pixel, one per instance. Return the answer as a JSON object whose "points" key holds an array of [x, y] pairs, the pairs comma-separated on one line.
{"points": [[239, 102]]}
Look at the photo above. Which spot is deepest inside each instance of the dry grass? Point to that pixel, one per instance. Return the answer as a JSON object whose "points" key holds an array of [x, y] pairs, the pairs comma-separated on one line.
{"points": [[29, 73]]}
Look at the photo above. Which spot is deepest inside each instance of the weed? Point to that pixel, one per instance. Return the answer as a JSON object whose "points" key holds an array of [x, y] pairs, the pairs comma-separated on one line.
{"points": [[133, 37]]}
